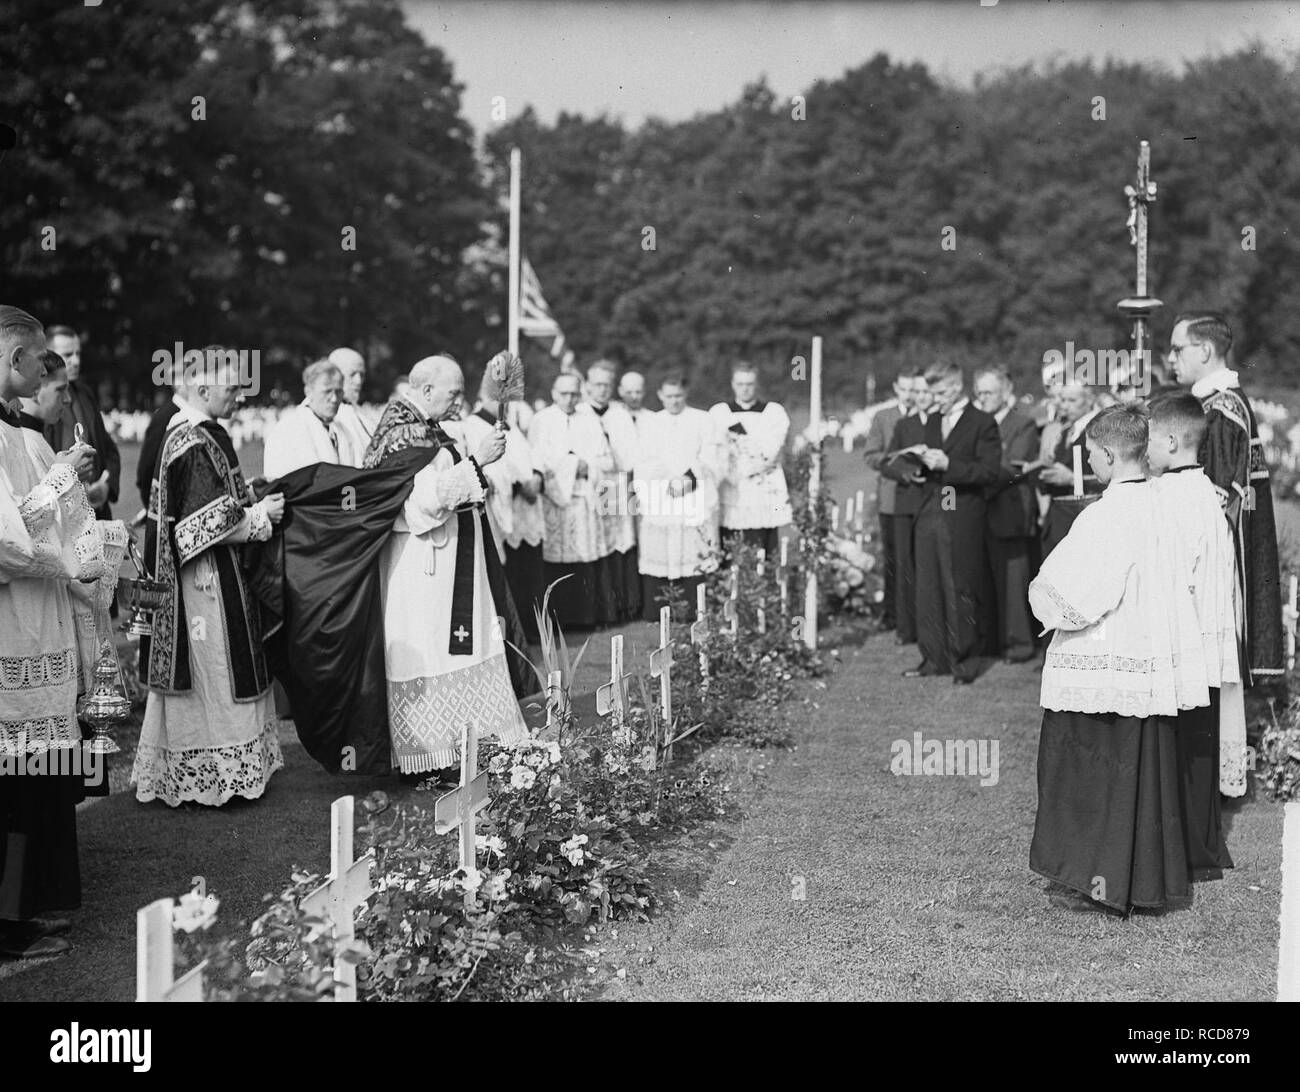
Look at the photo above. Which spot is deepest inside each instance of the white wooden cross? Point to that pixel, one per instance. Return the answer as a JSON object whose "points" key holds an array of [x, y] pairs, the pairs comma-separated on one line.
{"points": [[700, 633], [862, 518], [730, 611], [337, 899], [611, 697], [1288, 955], [762, 614], [458, 807], [661, 668], [155, 958], [1290, 616], [783, 576], [835, 518], [556, 700], [848, 514]]}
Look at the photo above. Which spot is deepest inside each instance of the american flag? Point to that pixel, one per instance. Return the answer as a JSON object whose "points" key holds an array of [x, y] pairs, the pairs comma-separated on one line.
{"points": [[535, 318]]}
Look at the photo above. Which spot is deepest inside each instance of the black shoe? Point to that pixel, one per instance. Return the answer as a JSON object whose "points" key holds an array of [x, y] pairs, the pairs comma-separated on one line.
{"points": [[38, 948], [49, 927]]}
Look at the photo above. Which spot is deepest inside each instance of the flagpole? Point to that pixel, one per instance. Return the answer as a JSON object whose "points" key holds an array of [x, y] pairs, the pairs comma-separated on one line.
{"points": [[513, 332]]}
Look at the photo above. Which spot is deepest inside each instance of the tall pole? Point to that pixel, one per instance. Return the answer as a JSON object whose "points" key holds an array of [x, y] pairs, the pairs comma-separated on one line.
{"points": [[516, 160], [1140, 195], [814, 490]]}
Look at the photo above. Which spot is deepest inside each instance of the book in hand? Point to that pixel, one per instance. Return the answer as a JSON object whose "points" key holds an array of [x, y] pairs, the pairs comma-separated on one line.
{"points": [[905, 464]]}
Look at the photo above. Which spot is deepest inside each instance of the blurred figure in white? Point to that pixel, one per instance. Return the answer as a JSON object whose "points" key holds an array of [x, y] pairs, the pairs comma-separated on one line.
{"points": [[631, 392], [618, 576], [682, 461], [350, 428], [309, 433], [755, 500]]}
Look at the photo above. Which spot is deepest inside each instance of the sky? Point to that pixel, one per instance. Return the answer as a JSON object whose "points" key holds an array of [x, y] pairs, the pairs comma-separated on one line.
{"points": [[635, 60]]}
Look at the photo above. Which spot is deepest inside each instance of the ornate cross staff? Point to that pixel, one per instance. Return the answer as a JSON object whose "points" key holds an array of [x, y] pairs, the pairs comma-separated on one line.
{"points": [[1141, 195]]}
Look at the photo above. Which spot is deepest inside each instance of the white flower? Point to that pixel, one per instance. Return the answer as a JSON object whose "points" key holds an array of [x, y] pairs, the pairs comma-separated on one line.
{"points": [[648, 759], [491, 843], [194, 911], [521, 777], [494, 890], [553, 751], [468, 880], [572, 849]]}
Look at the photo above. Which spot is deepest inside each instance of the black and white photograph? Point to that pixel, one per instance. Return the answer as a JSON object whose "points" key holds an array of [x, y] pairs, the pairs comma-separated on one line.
{"points": [[650, 502]]}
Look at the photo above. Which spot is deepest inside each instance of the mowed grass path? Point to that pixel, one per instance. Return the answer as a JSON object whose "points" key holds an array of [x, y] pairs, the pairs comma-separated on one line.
{"points": [[919, 888]]}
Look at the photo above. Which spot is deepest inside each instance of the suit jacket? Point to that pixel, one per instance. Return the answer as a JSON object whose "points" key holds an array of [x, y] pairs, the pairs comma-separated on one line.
{"points": [[1012, 506], [880, 435], [84, 410], [974, 450], [907, 495]]}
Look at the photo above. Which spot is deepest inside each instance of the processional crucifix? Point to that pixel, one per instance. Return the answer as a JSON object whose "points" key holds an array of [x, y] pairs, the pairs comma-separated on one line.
{"points": [[1141, 195]]}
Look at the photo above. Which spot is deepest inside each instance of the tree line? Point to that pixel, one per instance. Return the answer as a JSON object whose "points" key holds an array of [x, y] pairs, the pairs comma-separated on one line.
{"points": [[298, 174]]}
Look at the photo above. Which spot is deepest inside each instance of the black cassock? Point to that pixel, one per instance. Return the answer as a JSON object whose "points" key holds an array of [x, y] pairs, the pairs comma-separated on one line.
{"points": [[1233, 456]]}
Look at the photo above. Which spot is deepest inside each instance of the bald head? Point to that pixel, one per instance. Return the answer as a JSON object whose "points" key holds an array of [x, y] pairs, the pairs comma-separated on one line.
{"points": [[631, 389], [352, 366], [437, 385]]}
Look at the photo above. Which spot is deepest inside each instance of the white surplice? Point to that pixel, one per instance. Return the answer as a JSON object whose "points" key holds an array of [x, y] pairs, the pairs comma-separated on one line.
{"points": [[432, 694], [353, 434], [575, 530], [48, 538], [678, 535], [753, 490], [614, 488], [512, 517], [1114, 599], [299, 438], [1188, 501]]}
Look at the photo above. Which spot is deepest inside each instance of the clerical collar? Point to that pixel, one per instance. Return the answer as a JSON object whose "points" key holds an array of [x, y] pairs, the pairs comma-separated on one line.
{"points": [[599, 411], [31, 421], [1007, 407], [9, 414], [1221, 380], [958, 408], [188, 412], [758, 406], [1128, 481]]}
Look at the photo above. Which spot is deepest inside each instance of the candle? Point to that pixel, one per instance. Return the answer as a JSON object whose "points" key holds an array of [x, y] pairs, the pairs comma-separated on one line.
{"points": [[835, 517], [1078, 470], [848, 513], [862, 510]]}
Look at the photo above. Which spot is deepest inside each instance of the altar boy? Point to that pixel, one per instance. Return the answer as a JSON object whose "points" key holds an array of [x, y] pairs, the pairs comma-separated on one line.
{"points": [[1110, 822], [1212, 739]]}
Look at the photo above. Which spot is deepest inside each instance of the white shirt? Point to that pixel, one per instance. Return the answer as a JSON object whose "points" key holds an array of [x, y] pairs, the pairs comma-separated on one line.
{"points": [[953, 416]]}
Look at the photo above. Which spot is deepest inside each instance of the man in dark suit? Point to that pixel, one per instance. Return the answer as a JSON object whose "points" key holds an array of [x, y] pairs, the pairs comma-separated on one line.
{"points": [[1078, 406], [880, 438], [908, 431], [83, 409], [960, 456], [151, 446], [1012, 515]]}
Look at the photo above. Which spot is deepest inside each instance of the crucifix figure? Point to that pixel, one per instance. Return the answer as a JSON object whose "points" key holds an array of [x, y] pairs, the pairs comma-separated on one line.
{"points": [[661, 668], [1141, 195], [458, 807], [700, 634], [611, 697], [349, 886]]}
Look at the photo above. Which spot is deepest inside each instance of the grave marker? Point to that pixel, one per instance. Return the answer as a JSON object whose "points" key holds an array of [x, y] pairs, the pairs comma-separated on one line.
{"points": [[337, 899], [456, 809], [155, 958], [661, 668], [611, 697]]}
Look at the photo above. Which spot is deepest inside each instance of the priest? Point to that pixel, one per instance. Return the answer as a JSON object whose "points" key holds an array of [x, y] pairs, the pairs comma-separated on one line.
{"points": [[617, 571], [1233, 457], [682, 461], [514, 506], [350, 428], [307, 433], [755, 500], [444, 648], [210, 728], [574, 454], [46, 529]]}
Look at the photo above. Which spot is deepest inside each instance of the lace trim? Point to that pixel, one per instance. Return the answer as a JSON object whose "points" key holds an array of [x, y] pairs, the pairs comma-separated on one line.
{"points": [[1067, 612], [208, 775], [1107, 661], [459, 486], [32, 736], [34, 672], [259, 523], [1106, 699]]}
